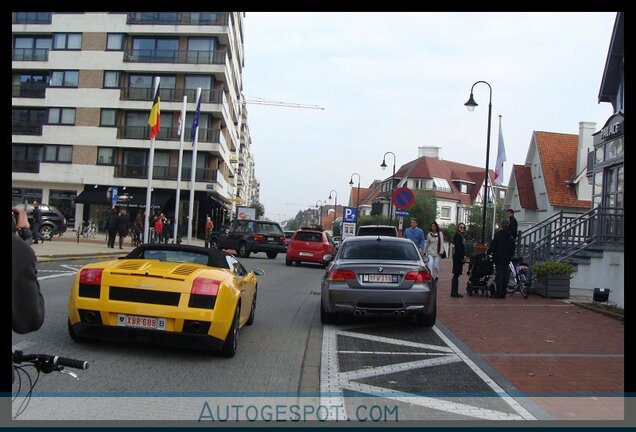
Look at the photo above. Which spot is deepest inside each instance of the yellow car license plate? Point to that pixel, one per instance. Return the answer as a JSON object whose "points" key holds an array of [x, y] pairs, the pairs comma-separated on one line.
{"points": [[141, 322]]}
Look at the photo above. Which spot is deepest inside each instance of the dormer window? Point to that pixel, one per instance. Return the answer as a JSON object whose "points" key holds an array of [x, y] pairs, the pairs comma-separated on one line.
{"points": [[441, 184]]}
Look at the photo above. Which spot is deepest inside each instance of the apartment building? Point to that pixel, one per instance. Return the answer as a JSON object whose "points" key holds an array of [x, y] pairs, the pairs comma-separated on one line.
{"points": [[82, 89]]}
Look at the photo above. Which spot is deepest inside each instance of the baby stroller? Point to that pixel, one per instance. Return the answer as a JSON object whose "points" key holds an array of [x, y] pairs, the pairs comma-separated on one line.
{"points": [[481, 271]]}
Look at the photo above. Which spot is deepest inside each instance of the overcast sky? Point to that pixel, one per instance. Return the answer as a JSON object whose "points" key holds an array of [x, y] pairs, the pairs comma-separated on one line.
{"points": [[396, 81]]}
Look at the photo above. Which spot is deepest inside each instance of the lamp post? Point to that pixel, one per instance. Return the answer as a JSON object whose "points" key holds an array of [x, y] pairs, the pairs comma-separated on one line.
{"points": [[358, 200], [383, 166], [319, 211], [471, 104], [335, 206]]}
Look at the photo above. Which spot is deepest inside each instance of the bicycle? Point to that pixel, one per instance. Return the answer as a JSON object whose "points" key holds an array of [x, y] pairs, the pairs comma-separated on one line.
{"points": [[518, 278], [44, 363]]}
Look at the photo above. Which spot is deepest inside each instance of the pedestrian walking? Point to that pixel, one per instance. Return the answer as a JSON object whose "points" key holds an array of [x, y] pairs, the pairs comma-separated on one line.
{"points": [[209, 226], [459, 253], [434, 248], [37, 223], [111, 227], [123, 225], [416, 235], [502, 248]]}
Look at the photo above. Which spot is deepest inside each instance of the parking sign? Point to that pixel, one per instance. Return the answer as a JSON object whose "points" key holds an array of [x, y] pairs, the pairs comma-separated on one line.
{"points": [[350, 214]]}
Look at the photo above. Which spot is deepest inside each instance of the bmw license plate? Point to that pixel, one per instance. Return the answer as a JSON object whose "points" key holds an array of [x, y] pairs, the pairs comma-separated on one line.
{"points": [[141, 322], [308, 254], [379, 278]]}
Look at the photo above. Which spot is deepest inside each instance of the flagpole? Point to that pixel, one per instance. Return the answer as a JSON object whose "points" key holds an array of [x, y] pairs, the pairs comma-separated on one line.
{"points": [[179, 165], [151, 163], [194, 164], [501, 158]]}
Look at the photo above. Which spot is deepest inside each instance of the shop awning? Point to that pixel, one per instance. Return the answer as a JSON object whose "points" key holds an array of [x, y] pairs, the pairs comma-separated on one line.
{"points": [[131, 197]]}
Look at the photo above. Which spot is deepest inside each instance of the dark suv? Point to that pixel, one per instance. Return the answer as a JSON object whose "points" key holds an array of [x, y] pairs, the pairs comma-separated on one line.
{"points": [[377, 230], [53, 221], [248, 236]]}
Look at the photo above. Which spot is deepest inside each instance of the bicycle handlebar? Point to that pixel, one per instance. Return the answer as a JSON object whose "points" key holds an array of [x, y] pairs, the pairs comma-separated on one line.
{"points": [[48, 363]]}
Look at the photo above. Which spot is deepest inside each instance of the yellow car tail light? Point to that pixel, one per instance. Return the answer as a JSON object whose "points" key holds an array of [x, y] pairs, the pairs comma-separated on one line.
{"points": [[205, 286], [91, 276]]}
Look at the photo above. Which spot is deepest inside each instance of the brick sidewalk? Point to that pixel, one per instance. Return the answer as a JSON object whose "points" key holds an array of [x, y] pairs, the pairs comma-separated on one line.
{"points": [[568, 359]]}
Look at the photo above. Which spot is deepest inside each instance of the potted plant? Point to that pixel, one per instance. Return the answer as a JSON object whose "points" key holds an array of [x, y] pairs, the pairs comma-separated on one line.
{"points": [[552, 278]]}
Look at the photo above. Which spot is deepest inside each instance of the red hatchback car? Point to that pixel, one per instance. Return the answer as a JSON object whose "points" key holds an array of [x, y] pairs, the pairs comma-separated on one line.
{"points": [[310, 245]]}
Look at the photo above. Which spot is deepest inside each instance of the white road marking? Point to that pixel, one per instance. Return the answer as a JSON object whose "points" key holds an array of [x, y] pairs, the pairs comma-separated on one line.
{"points": [[57, 276], [333, 382]]}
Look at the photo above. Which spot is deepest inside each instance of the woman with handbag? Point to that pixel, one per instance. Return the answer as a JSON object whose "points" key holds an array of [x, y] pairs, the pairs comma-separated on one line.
{"points": [[434, 249]]}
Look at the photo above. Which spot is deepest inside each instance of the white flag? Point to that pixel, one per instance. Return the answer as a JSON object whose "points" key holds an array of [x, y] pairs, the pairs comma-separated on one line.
{"points": [[501, 158]]}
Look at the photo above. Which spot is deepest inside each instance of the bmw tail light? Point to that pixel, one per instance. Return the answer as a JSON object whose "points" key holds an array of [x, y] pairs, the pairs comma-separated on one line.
{"points": [[205, 286], [91, 276], [341, 275], [422, 276]]}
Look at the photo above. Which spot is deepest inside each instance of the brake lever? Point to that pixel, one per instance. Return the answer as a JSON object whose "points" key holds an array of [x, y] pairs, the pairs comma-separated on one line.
{"points": [[70, 373]]}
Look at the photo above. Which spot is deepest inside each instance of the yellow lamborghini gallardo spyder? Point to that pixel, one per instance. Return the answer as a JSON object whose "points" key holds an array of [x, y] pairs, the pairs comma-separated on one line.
{"points": [[177, 295]]}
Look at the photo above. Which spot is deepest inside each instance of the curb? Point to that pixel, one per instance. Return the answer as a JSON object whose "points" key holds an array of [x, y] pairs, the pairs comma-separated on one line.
{"points": [[600, 311]]}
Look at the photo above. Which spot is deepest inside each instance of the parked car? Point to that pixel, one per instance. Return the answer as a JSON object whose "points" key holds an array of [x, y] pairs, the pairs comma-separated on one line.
{"points": [[377, 230], [288, 236], [177, 295], [53, 221], [378, 275], [248, 236], [310, 245]]}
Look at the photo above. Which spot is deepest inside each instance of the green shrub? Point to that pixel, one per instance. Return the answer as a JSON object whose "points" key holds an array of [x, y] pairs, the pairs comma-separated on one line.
{"points": [[546, 268]]}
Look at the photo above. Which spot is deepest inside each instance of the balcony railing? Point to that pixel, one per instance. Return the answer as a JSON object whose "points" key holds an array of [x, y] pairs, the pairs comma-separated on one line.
{"points": [[29, 90], [26, 129], [145, 94], [30, 54], [201, 18], [26, 166], [168, 133], [165, 173], [175, 56]]}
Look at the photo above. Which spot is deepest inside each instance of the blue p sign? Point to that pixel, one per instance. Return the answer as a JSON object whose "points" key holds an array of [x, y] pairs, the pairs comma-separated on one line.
{"points": [[350, 214]]}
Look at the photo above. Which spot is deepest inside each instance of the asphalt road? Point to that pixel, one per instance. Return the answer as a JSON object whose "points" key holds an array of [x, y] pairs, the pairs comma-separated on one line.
{"points": [[288, 366]]}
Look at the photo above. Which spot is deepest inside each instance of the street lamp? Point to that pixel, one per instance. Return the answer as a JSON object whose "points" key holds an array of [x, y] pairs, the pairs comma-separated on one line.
{"points": [[319, 211], [471, 104], [383, 166], [358, 200], [335, 206]]}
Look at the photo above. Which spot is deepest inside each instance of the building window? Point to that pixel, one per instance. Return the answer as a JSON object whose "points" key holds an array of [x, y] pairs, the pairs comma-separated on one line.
{"points": [[58, 153], [105, 156], [441, 184], [463, 188], [108, 117], [33, 18], [155, 50], [64, 79], [27, 48], [31, 85], [62, 116], [203, 17], [112, 79], [67, 41], [445, 213], [201, 51], [114, 42]]}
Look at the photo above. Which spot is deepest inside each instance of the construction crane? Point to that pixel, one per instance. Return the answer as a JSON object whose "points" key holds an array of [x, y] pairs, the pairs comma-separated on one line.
{"points": [[262, 101]]}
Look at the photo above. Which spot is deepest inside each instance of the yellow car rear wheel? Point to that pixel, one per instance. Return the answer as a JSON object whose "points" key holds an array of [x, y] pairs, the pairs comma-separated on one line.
{"points": [[231, 342]]}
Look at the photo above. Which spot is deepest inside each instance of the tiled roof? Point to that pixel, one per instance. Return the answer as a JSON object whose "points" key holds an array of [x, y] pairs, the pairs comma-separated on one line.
{"points": [[427, 167], [523, 178], [558, 155]]}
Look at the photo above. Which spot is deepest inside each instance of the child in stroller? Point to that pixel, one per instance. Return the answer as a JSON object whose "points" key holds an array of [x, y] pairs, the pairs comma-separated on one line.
{"points": [[481, 271]]}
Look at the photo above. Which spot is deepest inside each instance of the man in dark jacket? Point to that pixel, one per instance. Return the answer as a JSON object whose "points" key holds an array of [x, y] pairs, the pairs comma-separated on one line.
{"points": [[27, 302], [512, 223], [502, 248], [459, 253], [37, 223]]}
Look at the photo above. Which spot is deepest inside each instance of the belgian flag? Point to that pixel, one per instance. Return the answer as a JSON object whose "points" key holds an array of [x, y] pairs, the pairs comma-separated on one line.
{"points": [[155, 114]]}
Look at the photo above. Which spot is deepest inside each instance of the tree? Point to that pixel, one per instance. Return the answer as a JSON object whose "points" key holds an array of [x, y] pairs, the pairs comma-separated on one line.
{"points": [[424, 210], [260, 210], [291, 224], [475, 218]]}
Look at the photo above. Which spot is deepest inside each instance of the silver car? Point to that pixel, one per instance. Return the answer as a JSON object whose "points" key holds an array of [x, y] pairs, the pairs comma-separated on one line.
{"points": [[378, 275]]}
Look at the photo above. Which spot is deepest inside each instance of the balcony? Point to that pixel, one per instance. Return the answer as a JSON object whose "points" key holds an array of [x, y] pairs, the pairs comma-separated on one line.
{"points": [[176, 18], [30, 54], [171, 95], [175, 56], [25, 166], [29, 90], [26, 129], [168, 133], [207, 175]]}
